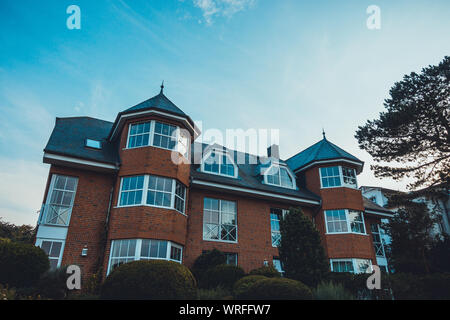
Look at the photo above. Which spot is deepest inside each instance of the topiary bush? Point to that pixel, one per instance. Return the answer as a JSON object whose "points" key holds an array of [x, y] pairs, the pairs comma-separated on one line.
{"points": [[278, 289], [217, 293], [332, 291], [53, 284], [224, 275], [21, 265], [267, 271], [242, 286], [207, 260], [150, 279]]}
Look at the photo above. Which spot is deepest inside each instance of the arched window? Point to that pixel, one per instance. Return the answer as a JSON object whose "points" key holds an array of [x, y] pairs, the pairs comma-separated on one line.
{"points": [[279, 176], [220, 163]]}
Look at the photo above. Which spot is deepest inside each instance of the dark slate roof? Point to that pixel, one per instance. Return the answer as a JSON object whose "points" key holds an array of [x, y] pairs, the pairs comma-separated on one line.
{"points": [[370, 205], [69, 136], [160, 102], [249, 175], [322, 150]]}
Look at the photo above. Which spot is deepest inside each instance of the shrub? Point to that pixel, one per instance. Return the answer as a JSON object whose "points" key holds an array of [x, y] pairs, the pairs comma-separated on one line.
{"points": [[207, 260], [150, 279], [406, 286], [267, 271], [278, 289], [53, 284], [331, 291], [217, 293], [7, 294], [242, 286], [21, 264], [224, 275]]}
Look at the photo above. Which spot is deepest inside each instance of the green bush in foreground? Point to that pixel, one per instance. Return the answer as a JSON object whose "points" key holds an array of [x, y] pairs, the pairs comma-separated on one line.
{"points": [[278, 289], [21, 265], [207, 260], [267, 271], [217, 293], [224, 275], [150, 279], [332, 291], [241, 287]]}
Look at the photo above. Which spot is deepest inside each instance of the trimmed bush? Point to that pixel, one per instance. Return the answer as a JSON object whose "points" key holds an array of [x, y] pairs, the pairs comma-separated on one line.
{"points": [[217, 293], [224, 275], [266, 271], [52, 284], [278, 289], [332, 291], [242, 286], [206, 261], [21, 265], [150, 279]]}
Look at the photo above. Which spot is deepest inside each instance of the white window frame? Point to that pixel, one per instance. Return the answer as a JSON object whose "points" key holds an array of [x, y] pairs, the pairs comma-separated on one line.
{"points": [[348, 222], [39, 244], [152, 135], [354, 262], [220, 221], [341, 179], [280, 270], [137, 252], [43, 218], [381, 243], [283, 213], [145, 191], [221, 153], [279, 166]]}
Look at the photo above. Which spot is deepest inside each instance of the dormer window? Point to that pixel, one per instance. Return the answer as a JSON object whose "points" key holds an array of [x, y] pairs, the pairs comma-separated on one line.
{"points": [[95, 144], [279, 176], [220, 163], [338, 176]]}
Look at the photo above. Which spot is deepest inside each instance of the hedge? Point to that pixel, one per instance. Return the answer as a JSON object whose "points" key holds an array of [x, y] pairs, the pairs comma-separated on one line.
{"points": [[224, 275], [21, 265], [267, 271], [150, 279], [241, 287], [278, 289]]}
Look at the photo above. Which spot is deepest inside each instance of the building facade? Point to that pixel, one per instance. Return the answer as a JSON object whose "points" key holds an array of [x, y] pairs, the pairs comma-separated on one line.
{"points": [[143, 188]]}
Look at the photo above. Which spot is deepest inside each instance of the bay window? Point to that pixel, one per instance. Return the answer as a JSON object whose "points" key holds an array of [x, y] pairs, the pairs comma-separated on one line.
{"points": [[160, 192], [127, 250], [158, 134], [338, 176], [219, 220], [344, 221]]}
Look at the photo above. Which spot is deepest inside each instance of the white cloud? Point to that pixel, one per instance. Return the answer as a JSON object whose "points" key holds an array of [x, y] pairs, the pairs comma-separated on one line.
{"points": [[226, 8]]}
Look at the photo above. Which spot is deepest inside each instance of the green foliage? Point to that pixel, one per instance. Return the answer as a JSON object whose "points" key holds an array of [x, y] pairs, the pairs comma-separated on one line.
{"points": [[241, 287], [23, 233], [150, 279], [206, 261], [6, 293], [332, 291], [410, 231], [440, 255], [52, 284], [277, 289], [267, 271], [413, 132], [301, 250], [21, 264], [407, 286], [224, 275], [217, 293]]}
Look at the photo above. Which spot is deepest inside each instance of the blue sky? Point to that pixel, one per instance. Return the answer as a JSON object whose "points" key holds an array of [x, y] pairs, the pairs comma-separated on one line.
{"points": [[296, 66]]}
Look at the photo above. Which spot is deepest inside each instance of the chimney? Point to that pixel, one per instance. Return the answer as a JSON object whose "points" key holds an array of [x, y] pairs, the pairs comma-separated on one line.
{"points": [[273, 151]]}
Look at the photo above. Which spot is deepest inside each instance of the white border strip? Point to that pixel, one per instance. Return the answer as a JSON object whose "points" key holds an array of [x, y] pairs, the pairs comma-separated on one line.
{"points": [[79, 161], [153, 111], [379, 213], [328, 161], [268, 194]]}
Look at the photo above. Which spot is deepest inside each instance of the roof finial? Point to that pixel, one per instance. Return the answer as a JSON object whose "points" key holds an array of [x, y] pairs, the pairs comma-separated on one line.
{"points": [[162, 86], [323, 133]]}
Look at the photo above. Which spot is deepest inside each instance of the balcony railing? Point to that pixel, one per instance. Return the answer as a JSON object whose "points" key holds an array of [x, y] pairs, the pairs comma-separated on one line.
{"points": [[54, 214]]}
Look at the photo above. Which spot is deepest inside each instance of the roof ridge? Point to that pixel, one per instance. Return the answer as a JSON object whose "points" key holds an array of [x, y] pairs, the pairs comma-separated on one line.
{"points": [[82, 117]]}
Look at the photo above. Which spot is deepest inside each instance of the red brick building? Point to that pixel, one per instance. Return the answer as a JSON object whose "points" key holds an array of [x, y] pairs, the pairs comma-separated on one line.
{"points": [[141, 188]]}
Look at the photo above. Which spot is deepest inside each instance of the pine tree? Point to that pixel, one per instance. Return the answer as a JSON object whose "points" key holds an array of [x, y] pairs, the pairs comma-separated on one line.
{"points": [[301, 251]]}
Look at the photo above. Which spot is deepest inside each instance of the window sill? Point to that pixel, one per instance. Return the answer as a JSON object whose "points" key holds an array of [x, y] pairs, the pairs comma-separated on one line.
{"points": [[337, 233], [224, 241], [347, 187], [219, 174]]}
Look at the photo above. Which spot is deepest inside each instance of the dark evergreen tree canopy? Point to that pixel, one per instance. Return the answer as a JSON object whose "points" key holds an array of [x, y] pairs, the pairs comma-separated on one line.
{"points": [[301, 250], [413, 134]]}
